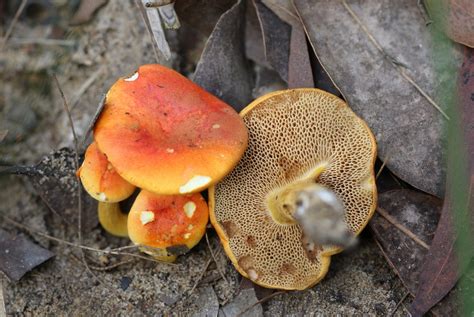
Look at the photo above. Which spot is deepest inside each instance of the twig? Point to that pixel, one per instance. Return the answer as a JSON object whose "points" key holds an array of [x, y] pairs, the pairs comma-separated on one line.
{"points": [[398, 304], [76, 160], [84, 247], [40, 41], [140, 7], [394, 62], [90, 127], [263, 300], [382, 167], [13, 23], [92, 78], [200, 276], [215, 261], [402, 228], [3, 311], [103, 268]]}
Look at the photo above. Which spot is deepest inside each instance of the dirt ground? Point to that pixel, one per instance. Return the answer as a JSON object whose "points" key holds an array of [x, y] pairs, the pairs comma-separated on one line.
{"points": [[113, 44]]}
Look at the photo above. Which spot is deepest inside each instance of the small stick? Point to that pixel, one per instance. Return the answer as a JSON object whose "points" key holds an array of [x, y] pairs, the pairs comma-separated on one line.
{"points": [[47, 236], [382, 167], [215, 261], [398, 304], [3, 311], [266, 298], [90, 127], [201, 276], [12, 25], [402, 228]]}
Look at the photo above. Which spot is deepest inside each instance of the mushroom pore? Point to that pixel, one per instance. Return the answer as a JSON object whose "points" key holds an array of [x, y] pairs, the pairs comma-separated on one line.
{"points": [[303, 188]]}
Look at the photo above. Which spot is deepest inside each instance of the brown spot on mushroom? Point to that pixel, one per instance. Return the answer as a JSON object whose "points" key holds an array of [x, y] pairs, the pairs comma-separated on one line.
{"points": [[230, 228], [251, 242], [288, 268]]}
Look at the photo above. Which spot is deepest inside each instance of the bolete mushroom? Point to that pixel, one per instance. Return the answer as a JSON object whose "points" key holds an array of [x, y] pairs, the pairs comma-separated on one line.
{"points": [[102, 182], [165, 134], [100, 179], [167, 225], [309, 157]]}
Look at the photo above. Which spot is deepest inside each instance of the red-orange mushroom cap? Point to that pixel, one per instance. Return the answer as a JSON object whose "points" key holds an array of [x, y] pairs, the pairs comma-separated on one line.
{"points": [[167, 225], [100, 179], [165, 134]]}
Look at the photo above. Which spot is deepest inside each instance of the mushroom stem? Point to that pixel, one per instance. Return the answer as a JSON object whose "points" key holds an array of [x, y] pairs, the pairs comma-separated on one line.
{"points": [[316, 209], [282, 202], [112, 219], [158, 254]]}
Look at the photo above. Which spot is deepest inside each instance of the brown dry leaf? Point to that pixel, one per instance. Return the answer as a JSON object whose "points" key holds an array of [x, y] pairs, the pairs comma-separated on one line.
{"points": [[455, 17], [55, 181], [444, 264], [3, 134], [276, 36], [86, 11], [362, 45], [223, 69], [419, 213], [19, 255]]}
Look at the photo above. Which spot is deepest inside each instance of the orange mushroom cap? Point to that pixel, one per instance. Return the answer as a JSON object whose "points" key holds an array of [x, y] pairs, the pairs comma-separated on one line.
{"points": [[165, 134], [100, 179], [172, 223]]}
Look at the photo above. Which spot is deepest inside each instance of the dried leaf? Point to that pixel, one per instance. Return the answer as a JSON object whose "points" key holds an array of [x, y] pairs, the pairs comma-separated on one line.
{"points": [[19, 255], [198, 18], [443, 266], [300, 73], [55, 180], [419, 213], [276, 37], [455, 17], [362, 45], [223, 69], [86, 11], [3, 134]]}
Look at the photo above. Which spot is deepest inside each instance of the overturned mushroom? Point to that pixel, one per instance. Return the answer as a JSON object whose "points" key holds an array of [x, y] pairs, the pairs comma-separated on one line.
{"points": [[165, 134], [167, 226], [303, 188]]}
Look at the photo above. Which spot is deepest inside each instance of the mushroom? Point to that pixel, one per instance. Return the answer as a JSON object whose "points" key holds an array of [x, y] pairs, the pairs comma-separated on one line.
{"points": [[100, 179], [102, 182], [167, 225], [308, 171], [165, 134]]}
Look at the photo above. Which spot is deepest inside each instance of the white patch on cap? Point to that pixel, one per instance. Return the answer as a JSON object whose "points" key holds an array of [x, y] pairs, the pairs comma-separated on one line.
{"points": [[194, 183], [252, 274], [216, 126], [190, 227], [132, 78], [170, 150], [186, 235], [146, 217], [189, 209], [102, 197]]}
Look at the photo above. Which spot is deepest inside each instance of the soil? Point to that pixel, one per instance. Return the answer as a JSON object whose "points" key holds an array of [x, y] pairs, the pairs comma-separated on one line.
{"points": [[114, 44]]}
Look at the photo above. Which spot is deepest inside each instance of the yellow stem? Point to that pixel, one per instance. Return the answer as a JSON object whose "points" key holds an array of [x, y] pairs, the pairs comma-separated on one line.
{"points": [[112, 219]]}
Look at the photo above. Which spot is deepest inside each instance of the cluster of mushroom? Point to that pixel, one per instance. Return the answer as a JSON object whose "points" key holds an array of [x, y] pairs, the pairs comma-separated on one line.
{"points": [[162, 133], [301, 191]]}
